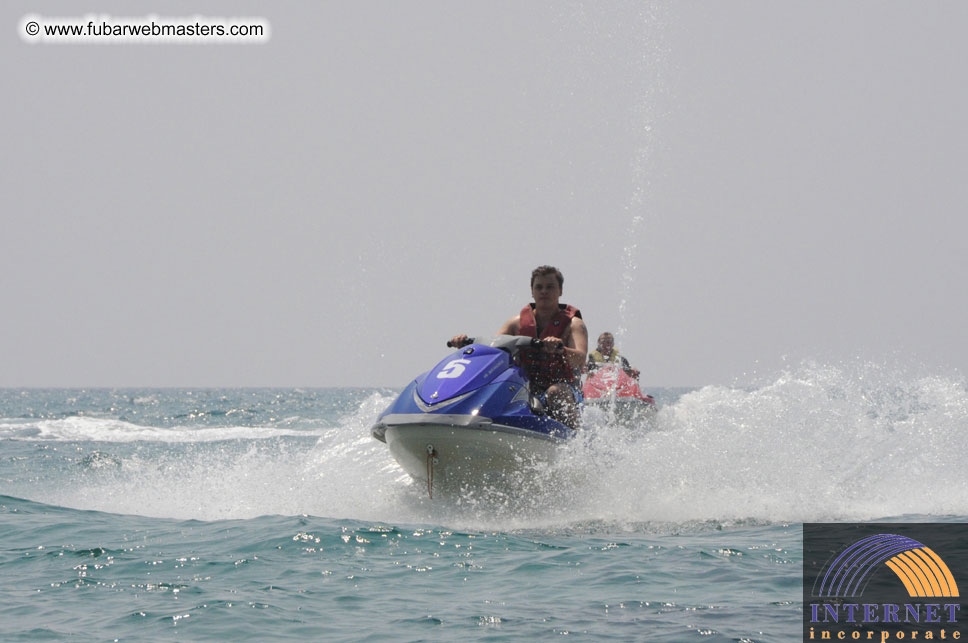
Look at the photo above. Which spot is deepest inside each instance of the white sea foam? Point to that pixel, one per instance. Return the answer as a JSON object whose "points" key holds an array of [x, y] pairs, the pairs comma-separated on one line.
{"points": [[94, 429], [818, 442], [345, 474]]}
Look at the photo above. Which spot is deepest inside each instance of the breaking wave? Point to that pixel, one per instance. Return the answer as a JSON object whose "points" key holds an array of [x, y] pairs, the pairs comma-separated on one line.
{"points": [[817, 443]]}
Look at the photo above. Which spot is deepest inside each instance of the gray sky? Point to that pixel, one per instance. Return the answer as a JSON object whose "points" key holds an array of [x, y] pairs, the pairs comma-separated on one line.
{"points": [[725, 185]]}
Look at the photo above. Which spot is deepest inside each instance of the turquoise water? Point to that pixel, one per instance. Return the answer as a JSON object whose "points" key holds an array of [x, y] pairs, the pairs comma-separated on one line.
{"points": [[255, 514], [104, 576]]}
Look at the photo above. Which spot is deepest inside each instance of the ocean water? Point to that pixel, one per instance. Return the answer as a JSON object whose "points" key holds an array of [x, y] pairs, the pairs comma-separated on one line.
{"points": [[182, 514]]}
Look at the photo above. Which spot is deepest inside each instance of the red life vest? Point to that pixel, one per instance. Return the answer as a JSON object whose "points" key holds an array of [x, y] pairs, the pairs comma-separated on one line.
{"points": [[543, 369]]}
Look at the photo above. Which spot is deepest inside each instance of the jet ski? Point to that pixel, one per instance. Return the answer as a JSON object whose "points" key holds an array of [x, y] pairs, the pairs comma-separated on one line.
{"points": [[612, 389], [471, 419]]}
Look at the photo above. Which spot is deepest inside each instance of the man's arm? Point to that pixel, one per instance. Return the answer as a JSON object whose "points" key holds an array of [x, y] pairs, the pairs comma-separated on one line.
{"points": [[576, 348], [631, 372], [511, 326]]}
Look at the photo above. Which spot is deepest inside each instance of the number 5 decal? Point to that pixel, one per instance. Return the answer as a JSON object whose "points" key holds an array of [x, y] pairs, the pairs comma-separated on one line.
{"points": [[453, 369]]}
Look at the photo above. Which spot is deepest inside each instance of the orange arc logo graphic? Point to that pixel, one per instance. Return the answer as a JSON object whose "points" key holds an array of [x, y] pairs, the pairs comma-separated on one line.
{"points": [[922, 571], [924, 574]]}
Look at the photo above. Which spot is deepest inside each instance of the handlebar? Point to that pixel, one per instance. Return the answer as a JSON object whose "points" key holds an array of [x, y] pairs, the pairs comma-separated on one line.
{"points": [[533, 342]]}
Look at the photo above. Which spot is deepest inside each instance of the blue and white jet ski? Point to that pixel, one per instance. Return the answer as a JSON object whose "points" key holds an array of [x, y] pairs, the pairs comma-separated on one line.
{"points": [[471, 419]]}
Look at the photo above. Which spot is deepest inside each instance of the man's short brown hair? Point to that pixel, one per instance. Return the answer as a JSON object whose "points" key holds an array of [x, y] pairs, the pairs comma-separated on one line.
{"points": [[541, 271]]}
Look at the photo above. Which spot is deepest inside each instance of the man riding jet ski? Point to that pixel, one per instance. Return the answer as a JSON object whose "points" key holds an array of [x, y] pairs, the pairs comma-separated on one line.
{"points": [[613, 384], [498, 405], [606, 353], [554, 371]]}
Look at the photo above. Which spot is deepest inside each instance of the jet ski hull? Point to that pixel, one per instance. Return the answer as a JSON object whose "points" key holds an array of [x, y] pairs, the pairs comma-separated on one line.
{"points": [[449, 457], [615, 391], [470, 420]]}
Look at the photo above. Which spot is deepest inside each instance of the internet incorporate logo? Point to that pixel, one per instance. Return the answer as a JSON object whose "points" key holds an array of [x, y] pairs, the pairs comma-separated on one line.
{"points": [[883, 582], [922, 571]]}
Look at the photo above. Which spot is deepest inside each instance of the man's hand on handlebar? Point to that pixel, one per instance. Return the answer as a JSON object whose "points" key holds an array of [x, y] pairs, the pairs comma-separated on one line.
{"points": [[459, 341], [552, 345]]}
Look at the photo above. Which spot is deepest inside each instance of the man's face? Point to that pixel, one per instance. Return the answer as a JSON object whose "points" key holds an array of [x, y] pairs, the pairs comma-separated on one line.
{"points": [[545, 289], [605, 343]]}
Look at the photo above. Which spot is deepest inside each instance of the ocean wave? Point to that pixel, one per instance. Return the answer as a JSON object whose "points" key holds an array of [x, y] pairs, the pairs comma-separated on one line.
{"points": [[816, 443], [95, 429]]}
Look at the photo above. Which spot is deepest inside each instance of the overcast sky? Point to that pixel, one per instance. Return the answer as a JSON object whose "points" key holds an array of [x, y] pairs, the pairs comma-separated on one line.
{"points": [[725, 185]]}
